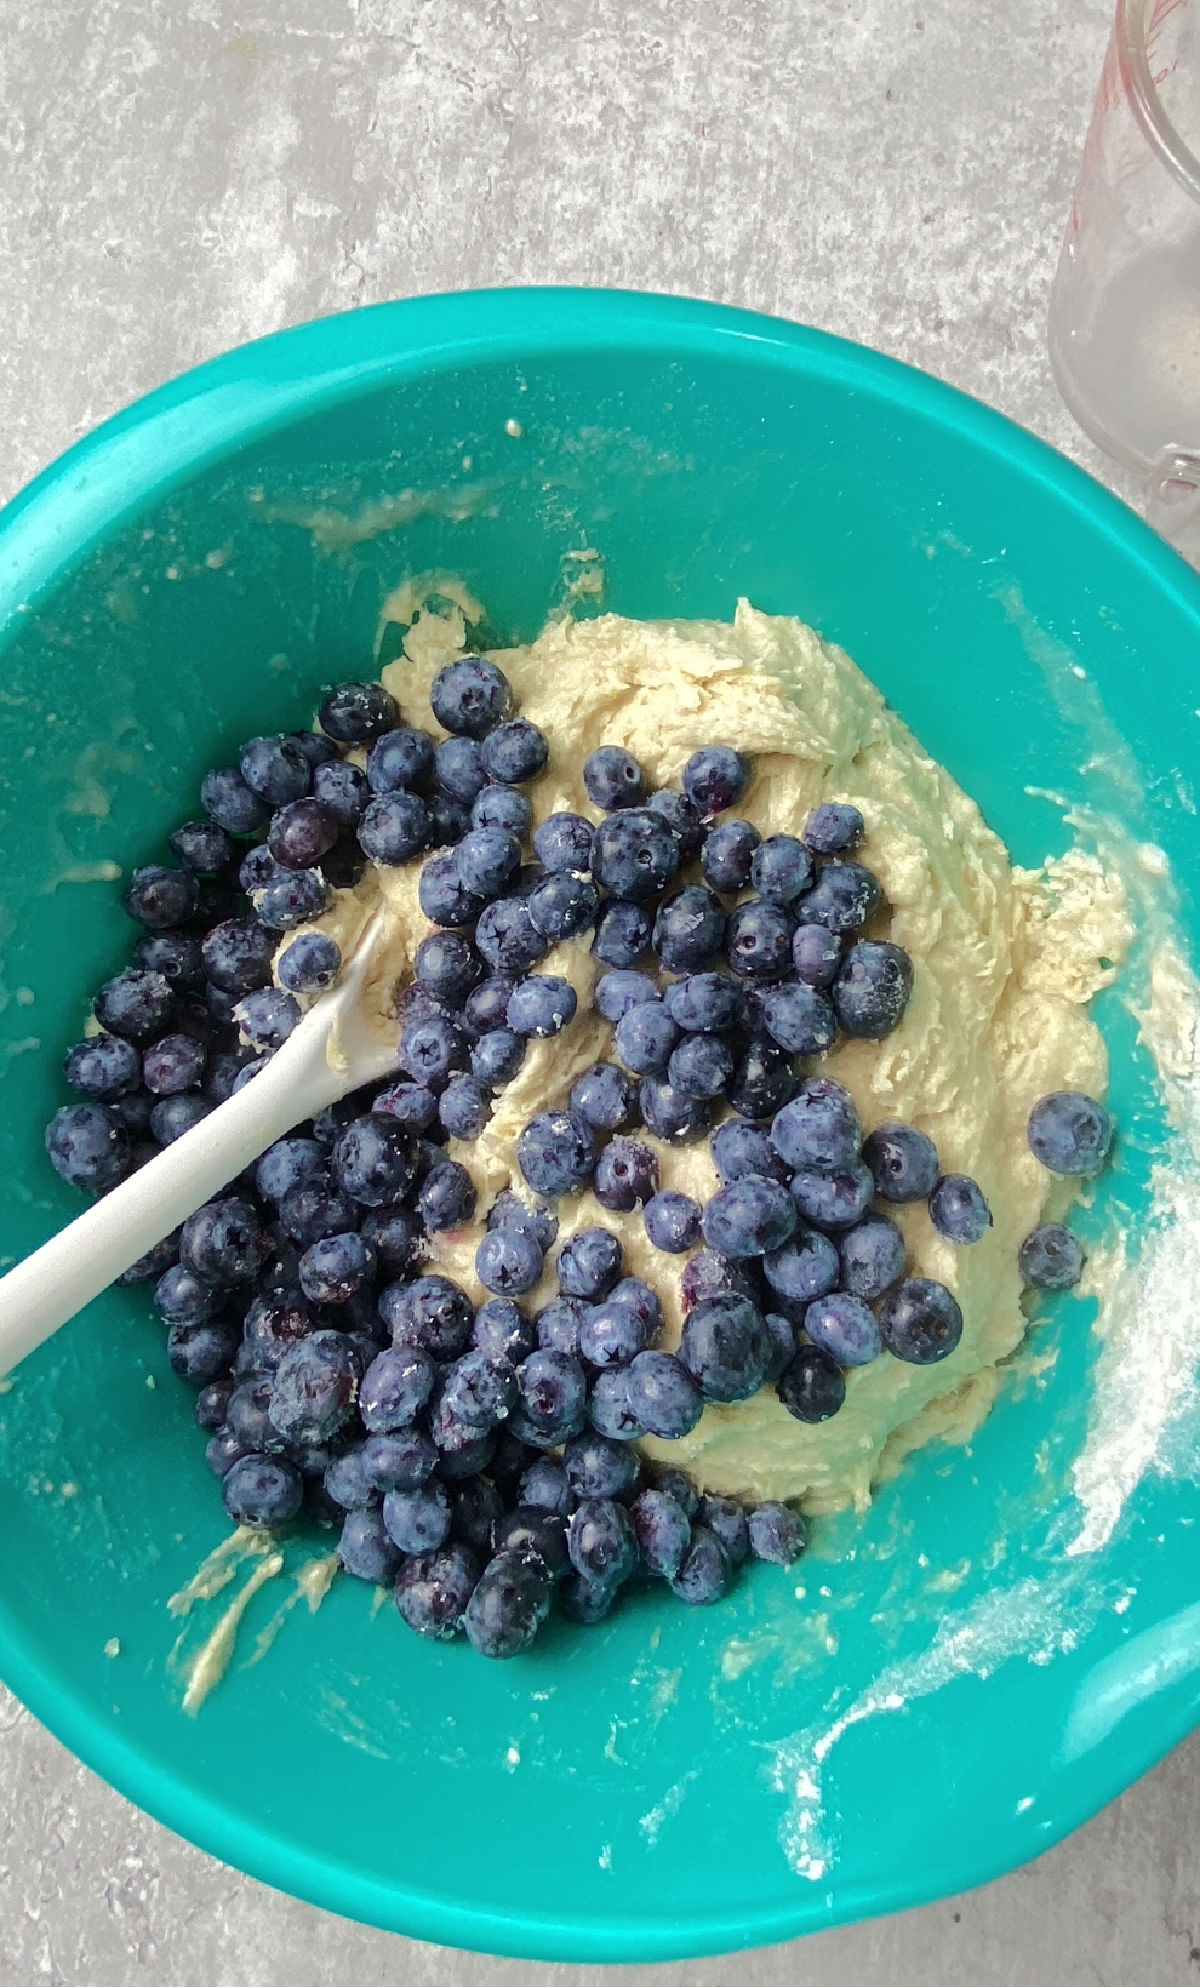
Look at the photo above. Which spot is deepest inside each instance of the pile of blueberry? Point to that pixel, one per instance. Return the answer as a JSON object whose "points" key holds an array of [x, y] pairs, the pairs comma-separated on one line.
{"points": [[485, 1459]]}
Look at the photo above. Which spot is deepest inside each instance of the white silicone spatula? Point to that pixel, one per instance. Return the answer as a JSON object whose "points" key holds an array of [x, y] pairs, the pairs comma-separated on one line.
{"points": [[339, 1045]]}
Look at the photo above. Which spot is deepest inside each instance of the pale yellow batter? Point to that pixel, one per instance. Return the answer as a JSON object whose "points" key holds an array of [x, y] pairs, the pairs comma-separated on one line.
{"points": [[1005, 964]]}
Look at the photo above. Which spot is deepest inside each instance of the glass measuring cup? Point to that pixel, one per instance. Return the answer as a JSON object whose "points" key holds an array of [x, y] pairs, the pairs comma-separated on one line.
{"points": [[1124, 326]]}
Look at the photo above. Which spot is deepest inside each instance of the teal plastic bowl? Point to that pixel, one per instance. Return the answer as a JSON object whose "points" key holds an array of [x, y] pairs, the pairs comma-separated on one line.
{"points": [[955, 1687]]}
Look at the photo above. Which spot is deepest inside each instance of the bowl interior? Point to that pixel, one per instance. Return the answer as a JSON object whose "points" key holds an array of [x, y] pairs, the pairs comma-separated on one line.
{"points": [[676, 1781]]}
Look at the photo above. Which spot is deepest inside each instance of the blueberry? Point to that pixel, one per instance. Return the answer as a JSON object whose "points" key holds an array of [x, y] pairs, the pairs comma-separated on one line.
{"points": [[310, 963], [563, 842], [819, 1128], [449, 820], [183, 1298], [622, 933], [433, 1048], [614, 779], [276, 768], [257, 869], [833, 1200], [365, 1550], [176, 955], [335, 1268], [738, 1148], [346, 1481], [749, 1217], [610, 1409], [701, 1066], [233, 805], [262, 1491], [1069, 1133], [634, 855], [502, 807], [247, 1416], [399, 759], [488, 860], [672, 1222], [394, 828], [237, 956], [663, 1395], [605, 1097], [705, 1003], [707, 1275], [678, 1485], [431, 1312], [509, 1604], [727, 855], [265, 1018], [616, 994], [211, 1403], [781, 869], [172, 1117], [250, 1070], [921, 1321], [479, 1390], [586, 1602], [715, 778], [515, 752], [317, 749], [777, 1533], [601, 1541], [799, 1018], [844, 897], [781, 1342], [872, 989], [1051, 1258], [872, 1254], [343, 790], [759, 940], [134, 1112], [704, 1570], [155, 1262], [402, 1460], [545, 1486], [645, 1038], [463, 1108], [395, 1388], [682, 816], [532, 1529], [674, 1116], [447, 1197], [272, 1325], [903, 1161], [418, 1521], [314, 1389], [443, 896], [458, 770], [589, 1264], [598, 1467], [844, 1327], [136, 1004], [813, 1387], [662, 1530], [222, 1451], [160, 898], [626, 1175], [725, 1518], [553, 1391], [103, 1067], [508, 1263], [394, 1234], [542, 1006], [301, 833], [356, 713], [316, 1208], [285, 1164], [804, 1268], [816, 955], [292, 898], [470, 697], [433, 1591], [557, 1325], [724, 1348], [486, 1006], [173, 1064], [610, 1334], [475, 1505], [508, 938], [832, 827], [203, 847], [555, 1153], [958, 1210], [562, 905], [689, 930], [224, 1242], [508, 1211], [374, 1161]]}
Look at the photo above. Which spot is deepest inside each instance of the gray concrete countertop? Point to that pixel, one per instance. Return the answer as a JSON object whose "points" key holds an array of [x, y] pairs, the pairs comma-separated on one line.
{"points": [[180, 175]]}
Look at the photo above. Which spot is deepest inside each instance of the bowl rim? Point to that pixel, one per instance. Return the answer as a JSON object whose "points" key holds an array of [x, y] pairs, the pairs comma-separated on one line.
{"points": [[169, 436]]}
